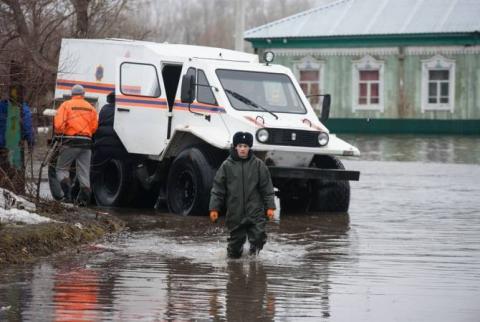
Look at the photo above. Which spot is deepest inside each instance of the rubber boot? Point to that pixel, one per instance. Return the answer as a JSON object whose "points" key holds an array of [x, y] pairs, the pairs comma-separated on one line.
{"points": [[67, 190], [234, 254], [83, 197], [253, 251], [145, 179]]}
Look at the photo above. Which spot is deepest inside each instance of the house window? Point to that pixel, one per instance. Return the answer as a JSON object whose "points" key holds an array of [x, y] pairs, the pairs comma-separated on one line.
{"points": [[438, 84], [309, 73], [367, 84], [310, 84]]}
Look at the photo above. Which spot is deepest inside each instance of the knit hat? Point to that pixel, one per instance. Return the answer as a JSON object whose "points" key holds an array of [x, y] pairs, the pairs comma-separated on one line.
{"points": [[78, 90], [242, 137], [111, 97]]}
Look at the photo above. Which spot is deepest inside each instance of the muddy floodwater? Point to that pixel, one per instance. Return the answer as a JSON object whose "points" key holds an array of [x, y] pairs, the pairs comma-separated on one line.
{"points": [[409, 250]]}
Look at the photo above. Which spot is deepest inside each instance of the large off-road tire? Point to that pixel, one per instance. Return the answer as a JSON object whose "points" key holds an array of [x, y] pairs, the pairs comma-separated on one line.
{"points": [[189, 182], [294, 196], [327, 195], [113, 184]]}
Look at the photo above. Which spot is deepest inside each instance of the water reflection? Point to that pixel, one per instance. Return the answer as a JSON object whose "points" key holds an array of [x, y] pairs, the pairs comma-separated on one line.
{"points": [[76, 295], [408, 251], [41, 303], [150, 276], [247, 297], [423, 148]]}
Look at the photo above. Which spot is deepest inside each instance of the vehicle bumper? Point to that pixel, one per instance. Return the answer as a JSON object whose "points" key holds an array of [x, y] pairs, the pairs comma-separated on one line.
{"points": [[313, 173]]}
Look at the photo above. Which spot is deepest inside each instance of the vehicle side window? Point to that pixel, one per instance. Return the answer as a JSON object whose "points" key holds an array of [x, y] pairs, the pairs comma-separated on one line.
{"points": [[204, 91], [138, 79]]}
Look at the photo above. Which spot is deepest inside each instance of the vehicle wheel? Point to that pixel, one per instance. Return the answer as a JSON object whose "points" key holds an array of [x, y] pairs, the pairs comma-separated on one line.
{"points": [[189, 182], [294, 195], [328, 195], [112, 183], [143, 198], [54, 184]]}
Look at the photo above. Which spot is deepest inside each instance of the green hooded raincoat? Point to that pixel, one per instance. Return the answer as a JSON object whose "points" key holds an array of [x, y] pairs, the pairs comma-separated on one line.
{"points": [[242, 187]]}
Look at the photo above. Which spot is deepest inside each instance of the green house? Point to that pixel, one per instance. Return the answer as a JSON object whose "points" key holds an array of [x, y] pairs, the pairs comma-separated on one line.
{"points": [[391, 66]]}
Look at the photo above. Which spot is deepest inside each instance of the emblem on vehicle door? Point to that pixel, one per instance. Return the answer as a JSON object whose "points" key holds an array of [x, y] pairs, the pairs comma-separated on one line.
{"points": [[294, 136], [99, 73]]}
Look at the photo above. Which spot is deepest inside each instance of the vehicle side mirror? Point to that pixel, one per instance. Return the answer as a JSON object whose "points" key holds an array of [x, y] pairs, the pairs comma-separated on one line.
{"points": [[325, 107], [188, 89]]}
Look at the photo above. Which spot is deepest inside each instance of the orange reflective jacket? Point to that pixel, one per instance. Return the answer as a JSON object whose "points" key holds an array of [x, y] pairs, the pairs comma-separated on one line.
{"points": [[76, 117]]}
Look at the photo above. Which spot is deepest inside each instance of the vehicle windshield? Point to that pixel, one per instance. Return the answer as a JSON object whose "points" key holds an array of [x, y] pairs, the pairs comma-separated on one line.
{"points": [[273, 92]]}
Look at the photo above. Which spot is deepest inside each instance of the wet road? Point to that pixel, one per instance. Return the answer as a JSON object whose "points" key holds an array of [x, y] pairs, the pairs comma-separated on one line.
{"points": [[409, 250]]}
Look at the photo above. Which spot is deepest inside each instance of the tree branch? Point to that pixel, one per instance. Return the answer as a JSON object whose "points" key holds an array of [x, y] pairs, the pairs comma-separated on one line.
{"points": [[29, 42]]}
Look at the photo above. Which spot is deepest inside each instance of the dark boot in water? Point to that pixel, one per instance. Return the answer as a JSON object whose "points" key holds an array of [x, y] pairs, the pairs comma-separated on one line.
{"points": [[254, 251], [83, 198]]}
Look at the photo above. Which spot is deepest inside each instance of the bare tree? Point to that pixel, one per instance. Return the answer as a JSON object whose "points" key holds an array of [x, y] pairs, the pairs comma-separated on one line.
{"points": [[30, 37], [81, 11], [210, 22], [31, 31], [27, 32]]}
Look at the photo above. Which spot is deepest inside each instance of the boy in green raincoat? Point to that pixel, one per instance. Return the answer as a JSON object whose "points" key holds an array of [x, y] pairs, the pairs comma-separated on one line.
{"points": [[243, 188]]}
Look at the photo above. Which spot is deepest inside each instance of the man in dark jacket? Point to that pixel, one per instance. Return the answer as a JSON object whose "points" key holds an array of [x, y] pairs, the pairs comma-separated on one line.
{"points": [[107, 144], [243, 187]]}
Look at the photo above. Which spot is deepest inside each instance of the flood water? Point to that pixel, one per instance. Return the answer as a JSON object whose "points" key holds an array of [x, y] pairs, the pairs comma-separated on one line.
{"points": [[409, 250]]}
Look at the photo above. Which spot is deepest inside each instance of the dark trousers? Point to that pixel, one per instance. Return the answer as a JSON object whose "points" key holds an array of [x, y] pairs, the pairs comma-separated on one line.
{"points": [[254, 229]]}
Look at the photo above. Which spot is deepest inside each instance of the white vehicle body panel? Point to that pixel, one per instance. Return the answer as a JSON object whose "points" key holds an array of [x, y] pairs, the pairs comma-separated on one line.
{"points": [[142, 122]]}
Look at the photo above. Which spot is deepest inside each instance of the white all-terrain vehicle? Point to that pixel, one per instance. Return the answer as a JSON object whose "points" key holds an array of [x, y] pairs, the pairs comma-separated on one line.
{"points": [[177, 108]]}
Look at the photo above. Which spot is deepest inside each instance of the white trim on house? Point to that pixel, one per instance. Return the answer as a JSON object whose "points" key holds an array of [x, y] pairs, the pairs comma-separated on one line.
{"points": [[367, 63], [442, 50], [438, 63], [377, 51], [309, 63]]}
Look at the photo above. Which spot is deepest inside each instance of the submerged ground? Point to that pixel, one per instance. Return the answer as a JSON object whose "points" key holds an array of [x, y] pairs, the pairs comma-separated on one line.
{"points": [[409, 249], [61, 227]]}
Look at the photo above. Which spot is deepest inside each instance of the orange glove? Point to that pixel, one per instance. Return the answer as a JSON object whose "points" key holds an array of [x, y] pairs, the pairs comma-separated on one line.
{"points": [[270, 213], [213, 216]]}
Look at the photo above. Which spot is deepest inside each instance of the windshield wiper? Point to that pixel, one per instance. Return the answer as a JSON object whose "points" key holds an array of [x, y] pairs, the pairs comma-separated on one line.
{"points": [[247, 101]]}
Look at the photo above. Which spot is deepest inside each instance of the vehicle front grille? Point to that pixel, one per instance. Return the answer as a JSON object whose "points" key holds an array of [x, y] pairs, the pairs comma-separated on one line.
{"points": [[293, 137]]}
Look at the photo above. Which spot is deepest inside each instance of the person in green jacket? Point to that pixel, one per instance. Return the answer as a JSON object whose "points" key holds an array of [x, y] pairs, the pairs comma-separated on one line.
{"points": [[243, 189]]}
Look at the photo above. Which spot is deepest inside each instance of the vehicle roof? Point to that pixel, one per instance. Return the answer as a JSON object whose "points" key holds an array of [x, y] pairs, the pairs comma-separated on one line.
{"points": [[177, 50]]}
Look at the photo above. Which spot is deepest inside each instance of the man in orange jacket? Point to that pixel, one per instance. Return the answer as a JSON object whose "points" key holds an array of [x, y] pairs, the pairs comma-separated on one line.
{"points": [[75, 123]]}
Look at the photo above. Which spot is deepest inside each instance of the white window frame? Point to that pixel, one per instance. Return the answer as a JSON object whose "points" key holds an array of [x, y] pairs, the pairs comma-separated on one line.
{"points": [[308, 63], [367, 63], [438, 62]]}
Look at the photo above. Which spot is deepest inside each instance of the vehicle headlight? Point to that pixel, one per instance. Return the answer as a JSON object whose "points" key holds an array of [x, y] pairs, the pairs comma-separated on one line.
{"points": [[262, 135], [323, 138], [268, 56]]}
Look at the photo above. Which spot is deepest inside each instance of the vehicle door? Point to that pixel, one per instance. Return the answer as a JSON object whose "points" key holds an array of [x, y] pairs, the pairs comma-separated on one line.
{"points": [[141, 110], [205, 110]]}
